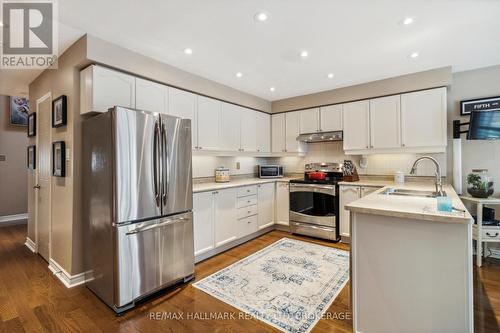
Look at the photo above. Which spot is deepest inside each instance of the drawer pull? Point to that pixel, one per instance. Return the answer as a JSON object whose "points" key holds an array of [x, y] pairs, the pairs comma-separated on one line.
{"points": [[249, 211], [495, 235]]}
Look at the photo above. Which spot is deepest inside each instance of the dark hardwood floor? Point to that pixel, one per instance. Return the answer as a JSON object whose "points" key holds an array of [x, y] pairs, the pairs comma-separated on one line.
{"points": [[34, 300]]}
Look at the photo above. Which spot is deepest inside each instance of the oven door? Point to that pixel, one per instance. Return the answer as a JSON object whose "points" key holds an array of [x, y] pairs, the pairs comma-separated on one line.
{"points": [[314, 204]]}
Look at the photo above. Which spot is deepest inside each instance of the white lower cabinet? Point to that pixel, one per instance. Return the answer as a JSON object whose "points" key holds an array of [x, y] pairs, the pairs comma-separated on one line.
{"points": [[203, 215], [282, 203], [248, 225], [265, 199], [226, 228], [348, 194]]}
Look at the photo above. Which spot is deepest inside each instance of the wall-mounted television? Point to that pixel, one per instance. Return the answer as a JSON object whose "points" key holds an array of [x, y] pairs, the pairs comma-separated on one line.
{"points": [[484, 125]]}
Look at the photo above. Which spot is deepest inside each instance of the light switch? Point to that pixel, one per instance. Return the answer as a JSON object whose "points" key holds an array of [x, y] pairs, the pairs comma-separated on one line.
{"points": [[68, 154], [238, 166]]}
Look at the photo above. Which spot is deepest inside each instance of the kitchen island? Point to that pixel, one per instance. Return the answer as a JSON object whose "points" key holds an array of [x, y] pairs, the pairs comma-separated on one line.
{"points": [[411, 265]]}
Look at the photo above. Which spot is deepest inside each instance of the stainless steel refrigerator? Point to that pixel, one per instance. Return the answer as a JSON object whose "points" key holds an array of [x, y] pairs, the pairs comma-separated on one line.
{"points": [[137, 204]]}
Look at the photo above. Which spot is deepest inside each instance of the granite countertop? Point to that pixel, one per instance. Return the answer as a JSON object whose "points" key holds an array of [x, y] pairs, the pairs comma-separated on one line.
{"points": [[411, 207], [205, 186]]}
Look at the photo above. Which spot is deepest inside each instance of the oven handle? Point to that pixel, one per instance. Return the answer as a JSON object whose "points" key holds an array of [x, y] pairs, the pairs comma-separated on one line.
{"points": [[326, 189], [299, 224]]}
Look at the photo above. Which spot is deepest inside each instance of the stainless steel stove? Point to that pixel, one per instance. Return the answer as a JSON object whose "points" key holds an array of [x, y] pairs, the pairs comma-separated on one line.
{"points": [[314, 201]]}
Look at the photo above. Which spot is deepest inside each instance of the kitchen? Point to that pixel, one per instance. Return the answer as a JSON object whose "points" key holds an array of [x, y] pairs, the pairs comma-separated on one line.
{"points": [[188, 203]]}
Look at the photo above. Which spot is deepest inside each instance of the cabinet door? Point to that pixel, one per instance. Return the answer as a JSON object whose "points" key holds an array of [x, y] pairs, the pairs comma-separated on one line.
{"points": [[309, 121], [282, 203], [278, 133], [183, 104], [112, 88], [226, 229], [263, 132], [330, 118], [365, 190], [423, 118], [292, 131], [265, 197], [248, 130], [385, 122], [356, 125], [209, 117], [348, 194], [203, 214], [230, 127], [150, 96]]}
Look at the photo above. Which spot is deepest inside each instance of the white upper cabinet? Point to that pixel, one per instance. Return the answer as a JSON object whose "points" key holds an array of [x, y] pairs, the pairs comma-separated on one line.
{"points": [[309, 120], [292, 131], [265, 197], [356, 125], [183, 104], [330, 118], [423, 118], [278, 133], [151, 96], [263, 132], [102, 88], [209, 122], [248, 130], [385, 122], [230, 127]]}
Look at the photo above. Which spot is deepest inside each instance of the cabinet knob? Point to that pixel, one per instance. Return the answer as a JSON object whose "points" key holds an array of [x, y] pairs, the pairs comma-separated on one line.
{"points": [[36, 187], [403, 145], [367, 147], [371, 146], [200, 148]]}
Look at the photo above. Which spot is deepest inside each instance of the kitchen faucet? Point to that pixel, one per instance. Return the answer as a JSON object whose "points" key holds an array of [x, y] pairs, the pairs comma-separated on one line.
{"points": [[439, 182]]}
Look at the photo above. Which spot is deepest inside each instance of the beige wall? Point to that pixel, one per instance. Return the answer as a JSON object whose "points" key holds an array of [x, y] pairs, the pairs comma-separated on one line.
{"points": [[13, 171], [439, 77], [102, 52]]}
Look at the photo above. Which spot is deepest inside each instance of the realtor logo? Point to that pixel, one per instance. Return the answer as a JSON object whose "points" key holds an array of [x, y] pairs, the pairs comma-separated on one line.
{"points": [[29, 34]]}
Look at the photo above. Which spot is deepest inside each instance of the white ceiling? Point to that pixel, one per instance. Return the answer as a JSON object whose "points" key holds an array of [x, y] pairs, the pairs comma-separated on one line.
{"points": [[359, 41]]}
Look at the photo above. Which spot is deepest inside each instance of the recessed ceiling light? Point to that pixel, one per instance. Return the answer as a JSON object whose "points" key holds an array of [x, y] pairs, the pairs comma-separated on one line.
{"points": [[188, 51], [414, 55], [304, 54], [261, 16], [272, 89], [330, 75], [239, 74], [407, 20]]}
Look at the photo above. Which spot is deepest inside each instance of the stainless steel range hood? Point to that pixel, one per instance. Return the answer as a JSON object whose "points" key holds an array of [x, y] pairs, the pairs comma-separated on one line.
{"points": [[321, 137]]}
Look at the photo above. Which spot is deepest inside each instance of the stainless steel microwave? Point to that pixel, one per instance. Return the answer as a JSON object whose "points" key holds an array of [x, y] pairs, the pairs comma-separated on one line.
{"points": [[270, 171]]}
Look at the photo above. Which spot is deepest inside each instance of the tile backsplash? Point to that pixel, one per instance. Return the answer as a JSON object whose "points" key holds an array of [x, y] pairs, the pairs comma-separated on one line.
{"points": [[377, 164]]}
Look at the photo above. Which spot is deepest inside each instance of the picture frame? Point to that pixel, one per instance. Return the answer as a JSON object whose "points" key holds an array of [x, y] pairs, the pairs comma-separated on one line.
{"points": [[59, 159], [31, 157], [479, 104], [32, 125], [19, 111], [59, 111]]}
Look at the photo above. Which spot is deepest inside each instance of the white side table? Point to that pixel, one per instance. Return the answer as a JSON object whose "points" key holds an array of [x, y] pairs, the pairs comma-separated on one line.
{"points": [[482, 234]]}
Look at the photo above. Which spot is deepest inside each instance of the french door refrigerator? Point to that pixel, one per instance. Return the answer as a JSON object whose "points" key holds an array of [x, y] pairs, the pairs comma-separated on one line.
{"points": [[137, 204]]}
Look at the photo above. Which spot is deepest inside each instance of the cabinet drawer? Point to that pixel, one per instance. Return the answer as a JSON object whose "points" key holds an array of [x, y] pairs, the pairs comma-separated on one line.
{"points": [[247, 201], [247, 211], [247, 190], [248, 226], [491, 234]]}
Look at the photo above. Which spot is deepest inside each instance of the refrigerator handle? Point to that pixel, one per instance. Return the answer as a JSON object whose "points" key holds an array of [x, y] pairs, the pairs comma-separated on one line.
{"points": [[166, 181], [156, 162]]}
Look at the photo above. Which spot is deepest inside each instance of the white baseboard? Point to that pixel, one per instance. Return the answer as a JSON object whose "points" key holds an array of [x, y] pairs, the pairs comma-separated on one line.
{"points": [[30, 244], [67, 279], [11, 218]]}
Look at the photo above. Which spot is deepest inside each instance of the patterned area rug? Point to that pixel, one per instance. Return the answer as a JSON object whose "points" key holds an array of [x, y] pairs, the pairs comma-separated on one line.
{"points": [[288, 284]]}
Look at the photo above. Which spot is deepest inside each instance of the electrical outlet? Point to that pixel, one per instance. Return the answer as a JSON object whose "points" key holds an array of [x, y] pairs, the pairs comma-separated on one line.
{"points": [[238, 166], [3, 158]]}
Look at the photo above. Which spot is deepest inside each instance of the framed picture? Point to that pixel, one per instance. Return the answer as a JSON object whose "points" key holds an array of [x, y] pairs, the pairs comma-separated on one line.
{"points": [[19, 110], [59, 159], [32, 124], [59, 106], [31, 157], [479, 104]]}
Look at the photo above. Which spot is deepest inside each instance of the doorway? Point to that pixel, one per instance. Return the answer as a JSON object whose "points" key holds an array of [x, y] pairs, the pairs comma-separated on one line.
{"points": [[43, 175]]}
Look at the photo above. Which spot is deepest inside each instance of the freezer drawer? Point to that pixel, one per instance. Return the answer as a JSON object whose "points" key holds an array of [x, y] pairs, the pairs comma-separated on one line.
{"points": [[313, 230], [153, 255]]}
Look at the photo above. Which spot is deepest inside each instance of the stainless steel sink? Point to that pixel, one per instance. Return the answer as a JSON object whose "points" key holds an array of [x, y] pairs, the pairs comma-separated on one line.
{"points": [[411, 193]]}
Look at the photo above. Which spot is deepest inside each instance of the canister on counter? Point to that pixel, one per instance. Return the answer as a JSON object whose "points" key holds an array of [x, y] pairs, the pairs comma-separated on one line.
{"points": [[222, 175]]}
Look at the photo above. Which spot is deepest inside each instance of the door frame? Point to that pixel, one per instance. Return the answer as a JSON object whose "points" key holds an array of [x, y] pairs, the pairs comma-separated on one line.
{"points": [[37, 170]]}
